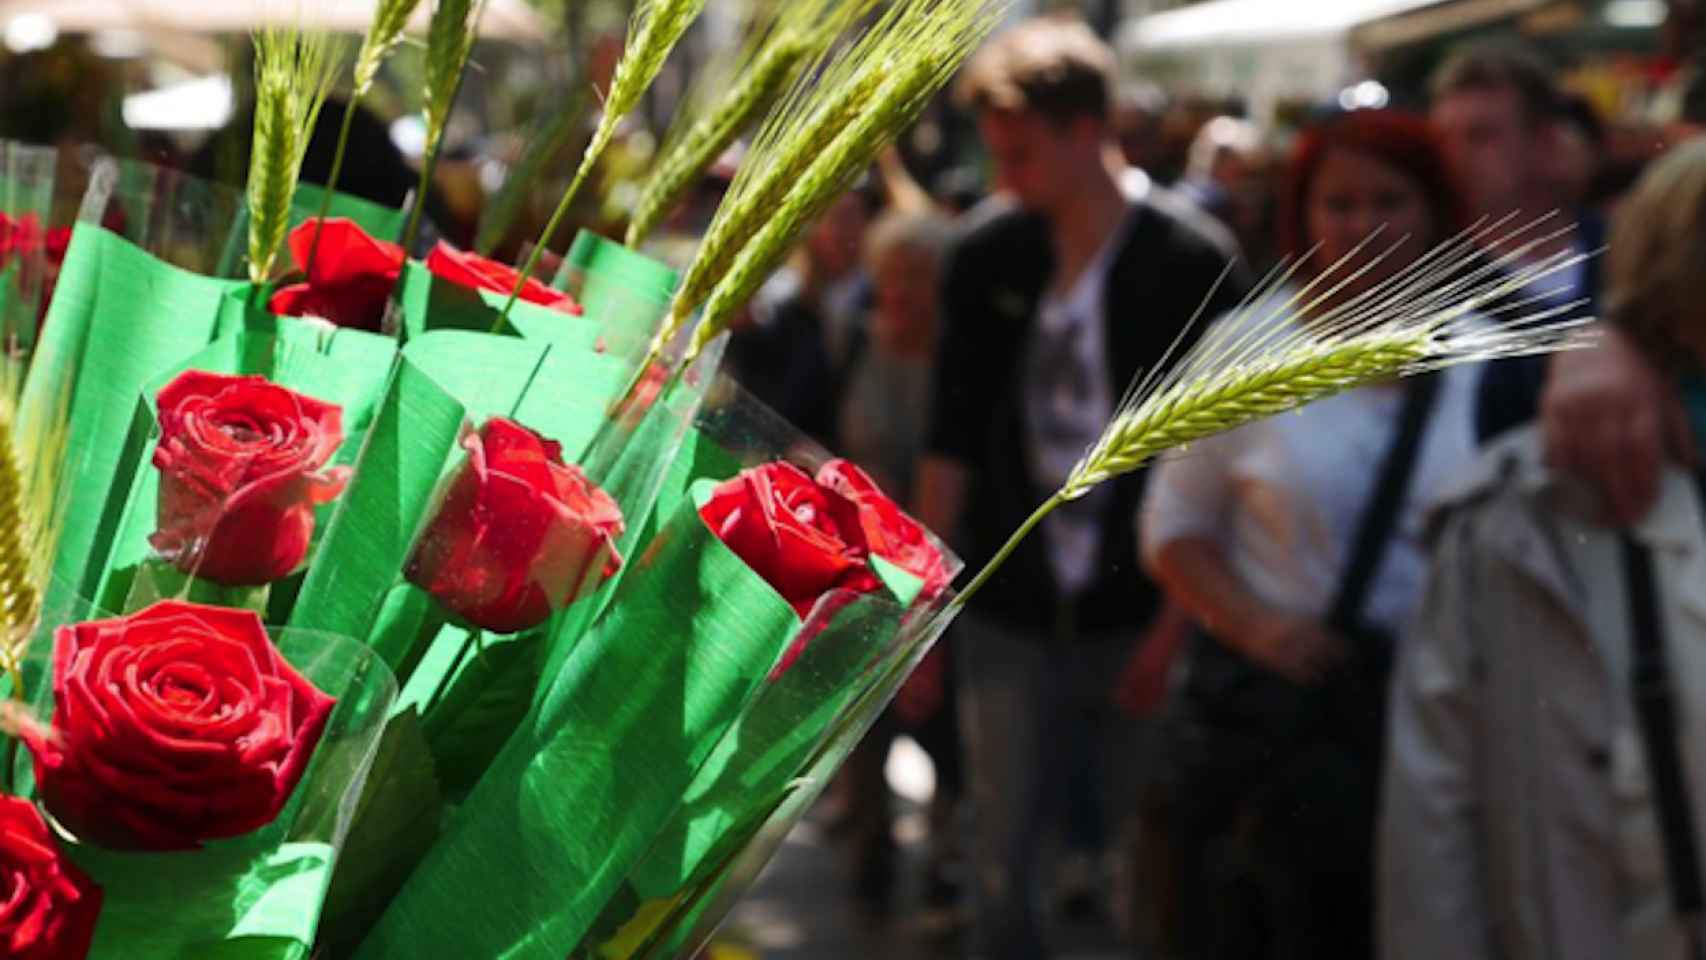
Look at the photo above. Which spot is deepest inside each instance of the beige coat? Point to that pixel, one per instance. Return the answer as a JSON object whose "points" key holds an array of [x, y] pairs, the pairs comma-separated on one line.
{"points": [[1517, 821]]}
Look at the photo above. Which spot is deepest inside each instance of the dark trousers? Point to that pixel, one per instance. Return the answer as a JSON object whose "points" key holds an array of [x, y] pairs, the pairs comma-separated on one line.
{"points": [[1260, 814]]}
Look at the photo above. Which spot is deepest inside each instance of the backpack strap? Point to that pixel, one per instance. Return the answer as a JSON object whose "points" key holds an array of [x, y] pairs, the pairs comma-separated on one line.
{"points": [[1655, 711], [1381, 513]]}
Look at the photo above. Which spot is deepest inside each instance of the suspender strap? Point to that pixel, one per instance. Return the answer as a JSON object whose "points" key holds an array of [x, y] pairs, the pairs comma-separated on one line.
{"points": [[1655, 711], [1380, 515]]}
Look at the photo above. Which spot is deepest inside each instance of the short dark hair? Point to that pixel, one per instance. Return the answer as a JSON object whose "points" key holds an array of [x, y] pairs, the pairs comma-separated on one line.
{"points": [[1054, 66], [1500, 67]]}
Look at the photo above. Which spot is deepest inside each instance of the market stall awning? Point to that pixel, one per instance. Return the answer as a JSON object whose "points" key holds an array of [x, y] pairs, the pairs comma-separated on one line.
{"points": [[1243, 22], [512, 20], [1235, 23]]}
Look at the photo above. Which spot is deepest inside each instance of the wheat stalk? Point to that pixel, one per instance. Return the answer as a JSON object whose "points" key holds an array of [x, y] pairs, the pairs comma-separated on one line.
{"points": [[652, 34], [383, 35], [293, 75], [812, 115], [754, 92], [1280, 350], [20, 593], [945, 36], [450, 39], [731, 96]]}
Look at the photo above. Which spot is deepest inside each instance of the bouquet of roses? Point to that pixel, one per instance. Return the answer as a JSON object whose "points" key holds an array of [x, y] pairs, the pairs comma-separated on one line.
{"points": [[364, 605]]}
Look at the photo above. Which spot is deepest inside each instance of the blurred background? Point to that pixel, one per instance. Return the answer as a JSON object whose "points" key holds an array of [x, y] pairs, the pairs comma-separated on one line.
{"points": [[1211, 95]]}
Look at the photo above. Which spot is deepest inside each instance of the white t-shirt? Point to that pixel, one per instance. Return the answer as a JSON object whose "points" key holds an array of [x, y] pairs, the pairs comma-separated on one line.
{"points": [[1284, 496], [1068, 400]]}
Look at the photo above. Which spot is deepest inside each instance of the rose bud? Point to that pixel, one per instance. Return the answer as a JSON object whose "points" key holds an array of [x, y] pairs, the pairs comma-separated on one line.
{"points": [[475, 272], [519, 534], [50, 906], [884, 529], [349, 280], [240, 462], [175, 725], [802, 540]]}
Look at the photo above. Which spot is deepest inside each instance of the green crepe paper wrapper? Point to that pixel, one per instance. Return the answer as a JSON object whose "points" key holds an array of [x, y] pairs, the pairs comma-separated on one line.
{"points": [[625, 292], [577, 795], [380, 221], [755, 763], [349, 368], [487, 691], [119, 318], [450, 382], [254, 897], [681, 925], [636, 457], [429, 302]]}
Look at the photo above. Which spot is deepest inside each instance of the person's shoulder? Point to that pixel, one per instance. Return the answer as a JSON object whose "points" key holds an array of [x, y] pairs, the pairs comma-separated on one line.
{"points": [[995, 224], [1184, 229], [1510, 492]]}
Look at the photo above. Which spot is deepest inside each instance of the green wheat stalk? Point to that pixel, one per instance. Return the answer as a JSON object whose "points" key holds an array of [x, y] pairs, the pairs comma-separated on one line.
{"points": [[293, 75], [1279, 351], [811, 116], [754, 92], [652, 34], [33, 499], [946, 35], [734, 96], [450, 39], [383, 36]]}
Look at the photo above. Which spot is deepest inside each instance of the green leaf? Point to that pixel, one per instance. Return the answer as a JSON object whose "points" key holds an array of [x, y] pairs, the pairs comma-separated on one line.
{"points": [[395, 823]]}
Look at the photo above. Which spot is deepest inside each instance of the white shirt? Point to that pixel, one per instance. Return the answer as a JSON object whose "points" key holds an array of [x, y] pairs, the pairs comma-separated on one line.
{"points": [[1284, 496], [1069, 399]]}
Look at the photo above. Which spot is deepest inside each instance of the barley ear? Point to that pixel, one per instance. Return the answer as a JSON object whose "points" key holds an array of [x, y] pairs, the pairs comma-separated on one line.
{"points": [[20, 596], [754, 92], [823, 103], [943, 37], [293, 74], [450, 40], [1285, 346], [652, 34], [383, 36]]}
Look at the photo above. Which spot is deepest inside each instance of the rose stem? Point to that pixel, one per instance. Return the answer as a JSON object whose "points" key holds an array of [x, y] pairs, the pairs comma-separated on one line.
{"points": [[995, 562], [15, 671], [475, 639], [331, 183]]}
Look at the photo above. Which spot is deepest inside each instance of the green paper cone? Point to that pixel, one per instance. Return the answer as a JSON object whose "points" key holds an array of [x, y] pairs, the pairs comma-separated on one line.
{"points": [[255, 896], [344, 367], [625, 292], [577, 795]]}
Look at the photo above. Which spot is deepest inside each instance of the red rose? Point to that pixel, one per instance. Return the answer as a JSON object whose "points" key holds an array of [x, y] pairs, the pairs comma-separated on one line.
{"points": [[172, 726], [240, 463], [802, 539], [519, 533], [478, 273], [350, 279], [49, 906], [58, 241], [886, 531]]}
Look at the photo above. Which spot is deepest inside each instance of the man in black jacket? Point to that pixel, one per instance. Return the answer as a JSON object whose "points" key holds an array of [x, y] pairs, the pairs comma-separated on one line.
{"points": [[1076, 280]]}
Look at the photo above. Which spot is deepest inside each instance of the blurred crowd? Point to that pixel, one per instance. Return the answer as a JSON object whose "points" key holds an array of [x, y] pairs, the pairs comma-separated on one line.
{"points": [[1418, 672], [1414, 673]]}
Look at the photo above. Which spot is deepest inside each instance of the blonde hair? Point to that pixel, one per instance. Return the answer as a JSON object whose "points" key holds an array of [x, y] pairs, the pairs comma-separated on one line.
{"points": [[925, 235], [1656, 281]]}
